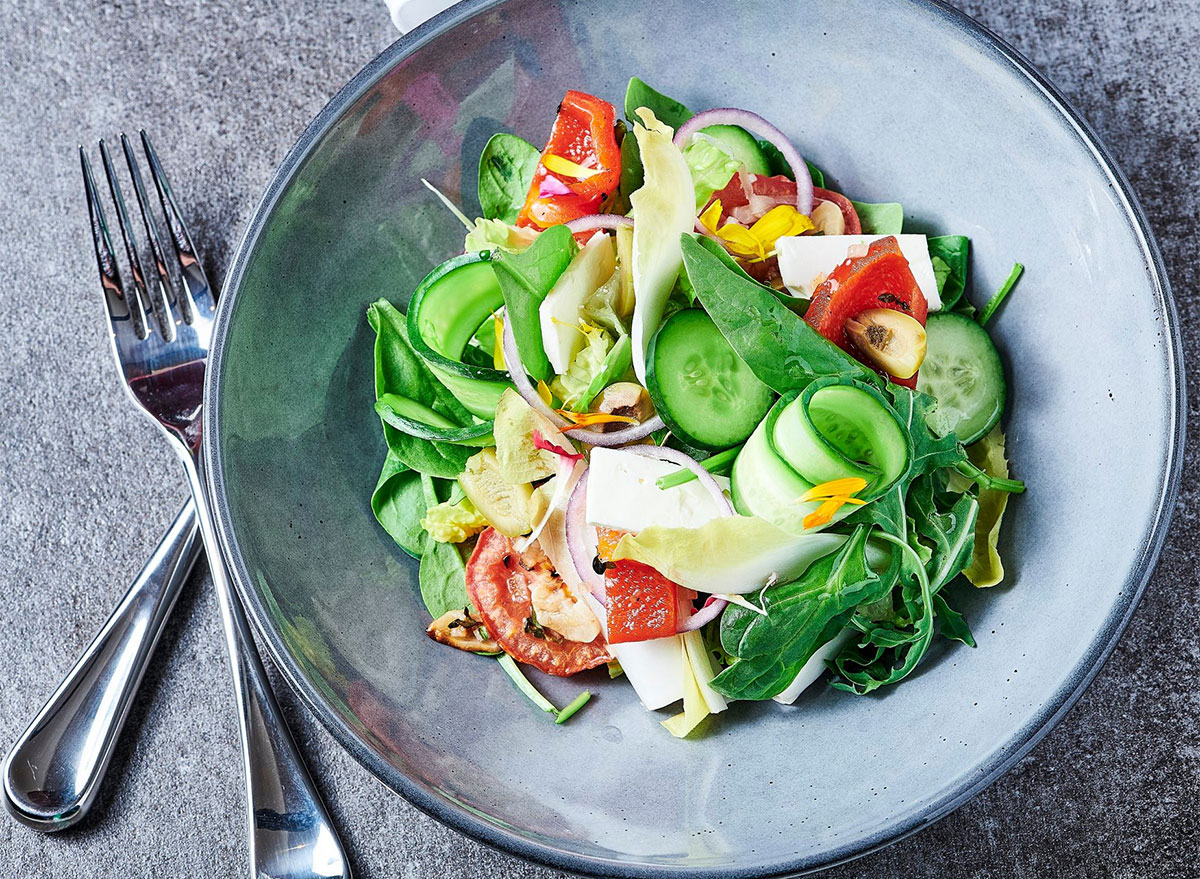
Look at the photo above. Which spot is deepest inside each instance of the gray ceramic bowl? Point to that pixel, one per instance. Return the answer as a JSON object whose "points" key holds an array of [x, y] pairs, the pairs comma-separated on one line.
{"points": [[898, 100]]}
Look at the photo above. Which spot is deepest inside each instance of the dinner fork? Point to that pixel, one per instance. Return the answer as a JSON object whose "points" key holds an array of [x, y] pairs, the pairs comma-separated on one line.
{"points": [[160, 335]]}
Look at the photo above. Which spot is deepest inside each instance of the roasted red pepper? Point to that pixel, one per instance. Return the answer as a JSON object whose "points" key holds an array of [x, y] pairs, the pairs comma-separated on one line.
{"points": [[641, 603], [583, 135], [879, 279]]}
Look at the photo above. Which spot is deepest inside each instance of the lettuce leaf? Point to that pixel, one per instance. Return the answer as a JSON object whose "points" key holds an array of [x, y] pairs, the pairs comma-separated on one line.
{"points": [[711, 167], [497, 235], [572, 386], [986, 568], [453, 521]]}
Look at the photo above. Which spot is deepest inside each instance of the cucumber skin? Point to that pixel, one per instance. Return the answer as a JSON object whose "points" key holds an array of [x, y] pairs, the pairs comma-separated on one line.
{"points": [[987, 352], [662, 407], [742, 146]]}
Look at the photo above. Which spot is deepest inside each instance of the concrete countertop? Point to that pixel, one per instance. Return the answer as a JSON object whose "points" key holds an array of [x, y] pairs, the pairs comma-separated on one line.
{"points": [[86, 486]]}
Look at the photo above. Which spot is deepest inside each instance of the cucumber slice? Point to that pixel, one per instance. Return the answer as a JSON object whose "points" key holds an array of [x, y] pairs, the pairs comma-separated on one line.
{"points": [[764, 485], [704, 392], [740, 144], [444, 314], [833, 430], [963, 372]]}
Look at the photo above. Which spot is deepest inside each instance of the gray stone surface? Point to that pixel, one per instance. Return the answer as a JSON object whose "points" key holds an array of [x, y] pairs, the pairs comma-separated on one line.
{"points": [[86, 486]]}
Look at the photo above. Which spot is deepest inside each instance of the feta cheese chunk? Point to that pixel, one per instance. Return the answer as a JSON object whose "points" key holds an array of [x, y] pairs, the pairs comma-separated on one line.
{"points": [[805, 261], [622, 494]]}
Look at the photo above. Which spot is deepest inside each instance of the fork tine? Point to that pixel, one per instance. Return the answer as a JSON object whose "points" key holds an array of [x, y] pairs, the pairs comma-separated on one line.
{"points": [[160, 292], [120, 307], [127, 235], [197, 290]]}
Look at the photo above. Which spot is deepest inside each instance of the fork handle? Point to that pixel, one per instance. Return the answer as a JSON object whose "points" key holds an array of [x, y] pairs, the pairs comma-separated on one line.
{"points": [[53, 772], [291, 834]]}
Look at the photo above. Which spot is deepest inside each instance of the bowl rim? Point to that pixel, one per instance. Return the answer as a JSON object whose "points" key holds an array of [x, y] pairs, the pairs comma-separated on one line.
{"points": [[463, 821]]}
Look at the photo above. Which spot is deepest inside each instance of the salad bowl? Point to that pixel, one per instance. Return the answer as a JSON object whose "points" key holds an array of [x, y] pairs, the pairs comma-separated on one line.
{"points": [[1095, 428]]}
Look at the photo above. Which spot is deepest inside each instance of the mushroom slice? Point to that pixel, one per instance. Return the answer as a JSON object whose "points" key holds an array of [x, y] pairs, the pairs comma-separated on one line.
{"points": [[891, 340], [462, 630]]}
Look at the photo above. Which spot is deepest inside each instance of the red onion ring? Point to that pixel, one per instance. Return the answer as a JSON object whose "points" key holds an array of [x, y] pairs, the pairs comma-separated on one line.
{"points": [[705, 615], [759, 126], [705, 478], [577, 540], [598, 221], [530, 395]]}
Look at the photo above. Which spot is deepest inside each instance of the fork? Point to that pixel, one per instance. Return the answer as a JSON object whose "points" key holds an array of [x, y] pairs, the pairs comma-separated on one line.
{"points": [[160, 335]]}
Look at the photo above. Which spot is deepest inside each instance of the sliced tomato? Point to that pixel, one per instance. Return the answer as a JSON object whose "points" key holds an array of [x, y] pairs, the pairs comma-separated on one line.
{"points": [[880, 278], [583, 134], [499, 588]]}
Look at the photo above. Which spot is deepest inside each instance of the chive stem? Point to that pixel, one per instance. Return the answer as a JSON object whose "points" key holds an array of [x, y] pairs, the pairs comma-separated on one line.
{"points": [[713, 464], [573, 706], [999, 296]]}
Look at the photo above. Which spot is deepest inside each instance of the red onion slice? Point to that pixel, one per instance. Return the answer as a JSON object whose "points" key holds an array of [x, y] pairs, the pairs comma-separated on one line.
{"points": [[760, 127], [598, 221], [676, 457], [530, 395], [579, 540], [705, 615]]}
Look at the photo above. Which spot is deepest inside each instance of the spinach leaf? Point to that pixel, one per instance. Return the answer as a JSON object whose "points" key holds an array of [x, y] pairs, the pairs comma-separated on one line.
{"points": [[668, 110], [780, 348], [632, 172], [886, 218], [506, 169], [525, 279], [399, 504], [777, 165], [400, 370], [443, 576], [949, 254], [802, 615]]}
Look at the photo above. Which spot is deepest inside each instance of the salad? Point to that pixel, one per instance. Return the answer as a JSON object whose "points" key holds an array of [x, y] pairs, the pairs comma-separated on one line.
{"points": [[681, 411]]}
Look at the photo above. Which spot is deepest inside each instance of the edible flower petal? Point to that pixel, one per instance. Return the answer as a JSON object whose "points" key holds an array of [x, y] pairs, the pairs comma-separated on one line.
{"points": [[587, 419], [566, 168], [540, 442], [834, 495], [758, 242], [711, 215]]}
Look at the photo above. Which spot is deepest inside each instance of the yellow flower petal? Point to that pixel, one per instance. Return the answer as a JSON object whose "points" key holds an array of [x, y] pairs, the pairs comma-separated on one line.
{"points": [[711, 215], [498, 343], [847, 486], [564, 167], [823, 514], [544, 392], [587, 419], [740, 241]]}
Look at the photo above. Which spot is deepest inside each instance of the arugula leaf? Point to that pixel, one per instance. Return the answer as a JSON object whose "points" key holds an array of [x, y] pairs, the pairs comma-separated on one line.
{"points": [[889, 651], [950, 255], [886, 218], [949, 535], [951, 623], [443, 576], [399, 370], [770, 650], [525, 280], [506, 169], [1000, 295], [780, 348], [398, 504]]}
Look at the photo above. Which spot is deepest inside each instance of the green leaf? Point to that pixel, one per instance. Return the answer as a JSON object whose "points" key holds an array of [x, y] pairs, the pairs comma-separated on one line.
{"points": [[711, 167], [398, 503], [506, 169], [443, 576], [778, 166], [986, 568], [886, 218], [400, 371], [525, 280], [949, 535], [951, 623], [800, 616], [783, 350], [668, 110], [950, 255], [1000, 295]]}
